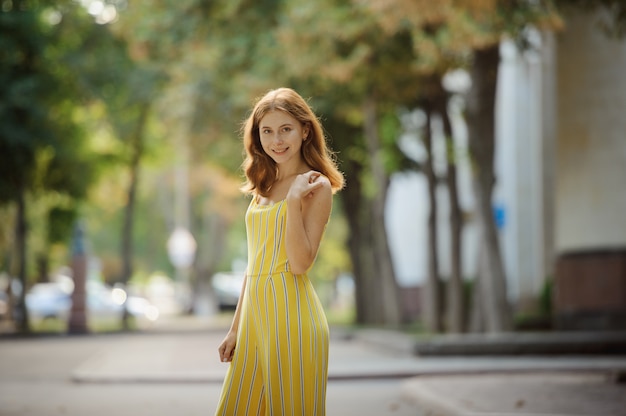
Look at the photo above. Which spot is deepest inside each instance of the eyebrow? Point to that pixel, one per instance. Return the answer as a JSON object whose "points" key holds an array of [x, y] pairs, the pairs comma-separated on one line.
{"points": [[282, 125]]}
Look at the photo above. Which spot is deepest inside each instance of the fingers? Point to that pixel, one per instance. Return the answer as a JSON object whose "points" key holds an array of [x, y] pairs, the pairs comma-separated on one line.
{"points": [[227, 355], [225, 358], [313, 187], [313, 175], [226, 352], [305, 185], [314, 181]]}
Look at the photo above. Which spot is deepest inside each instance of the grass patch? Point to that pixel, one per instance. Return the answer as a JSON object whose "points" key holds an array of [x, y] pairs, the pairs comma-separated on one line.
{"points": [[58, 326], [341, 317]]}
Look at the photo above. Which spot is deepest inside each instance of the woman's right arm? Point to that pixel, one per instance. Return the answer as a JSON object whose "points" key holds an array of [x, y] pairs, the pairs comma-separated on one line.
{"points": [[227, 347]]}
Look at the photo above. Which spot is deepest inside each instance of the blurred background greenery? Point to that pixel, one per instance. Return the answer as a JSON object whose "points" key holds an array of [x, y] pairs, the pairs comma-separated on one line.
{"points": [[126, 115]]}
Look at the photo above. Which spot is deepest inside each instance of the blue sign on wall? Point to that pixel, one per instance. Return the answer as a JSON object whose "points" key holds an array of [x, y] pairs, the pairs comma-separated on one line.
{"points": [[499, 215]]}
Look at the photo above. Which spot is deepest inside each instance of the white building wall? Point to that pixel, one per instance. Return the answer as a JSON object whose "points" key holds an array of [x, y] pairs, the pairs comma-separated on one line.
{"points": [[591, 164], [519, 169], [406, 217], [560, 163]]}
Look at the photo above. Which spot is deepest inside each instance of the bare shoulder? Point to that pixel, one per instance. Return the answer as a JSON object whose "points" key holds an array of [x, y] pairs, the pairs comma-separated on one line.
{"points": [[325, 191], [321, 198], [325, 181]]}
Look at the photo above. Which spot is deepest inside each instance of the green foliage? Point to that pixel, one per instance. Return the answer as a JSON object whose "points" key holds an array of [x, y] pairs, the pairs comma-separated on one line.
{"points": [[546, 296], [56, 65], [25, 91], [72, 92], [42, 146], [332, 259], [61, 221]]}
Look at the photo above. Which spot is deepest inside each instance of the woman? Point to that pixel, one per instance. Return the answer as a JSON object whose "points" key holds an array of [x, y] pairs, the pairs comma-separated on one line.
{"points": [[277, 345]]}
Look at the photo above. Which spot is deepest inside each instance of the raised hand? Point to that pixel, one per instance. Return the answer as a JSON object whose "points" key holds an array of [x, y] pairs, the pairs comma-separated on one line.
{"points": [[304, 185]]}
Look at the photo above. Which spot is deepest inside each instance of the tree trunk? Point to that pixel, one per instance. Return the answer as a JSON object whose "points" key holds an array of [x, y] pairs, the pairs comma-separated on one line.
{"points": [[42, 267], [362, 245], [478, 310], [354, 206], [370, 279], [454, 301], [20, 243], [481, 125], [129, 212], [350, 198], [136, 143], [432, 290], [389, 291], [367, 296]]}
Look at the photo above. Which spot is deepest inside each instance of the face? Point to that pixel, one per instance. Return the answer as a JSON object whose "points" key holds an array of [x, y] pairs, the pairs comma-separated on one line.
{"points": [[282, 136]]}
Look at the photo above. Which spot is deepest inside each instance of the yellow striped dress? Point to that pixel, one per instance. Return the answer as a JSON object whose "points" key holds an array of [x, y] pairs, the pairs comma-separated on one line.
{"points": [[280, 363]]}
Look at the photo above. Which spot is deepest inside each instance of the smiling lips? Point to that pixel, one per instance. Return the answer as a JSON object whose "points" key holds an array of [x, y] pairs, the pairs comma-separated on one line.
{"points": [[280, 151]]}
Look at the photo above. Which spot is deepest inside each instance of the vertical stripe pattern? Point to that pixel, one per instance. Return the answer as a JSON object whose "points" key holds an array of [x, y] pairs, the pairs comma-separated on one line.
{"points": [[280, 363]]}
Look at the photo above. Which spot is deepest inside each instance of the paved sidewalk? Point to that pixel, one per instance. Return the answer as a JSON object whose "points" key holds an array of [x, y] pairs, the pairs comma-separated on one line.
{"points": [[519, 394], [184, 352], [555, 385], [169, 369], [521, 384], [353, 355]]}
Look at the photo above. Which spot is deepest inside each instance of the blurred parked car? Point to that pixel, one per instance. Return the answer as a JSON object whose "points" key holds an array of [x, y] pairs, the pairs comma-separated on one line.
{"points": [[48, 301], [104, 304], [227, 288]]}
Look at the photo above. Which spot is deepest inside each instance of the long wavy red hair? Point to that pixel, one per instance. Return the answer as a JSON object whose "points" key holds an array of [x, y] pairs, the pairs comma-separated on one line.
{"points": [[260, 169]]}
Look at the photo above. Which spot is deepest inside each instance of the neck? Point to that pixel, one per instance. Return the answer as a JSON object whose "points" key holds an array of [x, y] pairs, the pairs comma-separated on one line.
{"points": [[286, 172]]}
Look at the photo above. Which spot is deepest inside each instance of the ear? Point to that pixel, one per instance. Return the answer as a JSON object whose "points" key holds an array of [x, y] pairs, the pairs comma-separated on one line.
{"points": [[305, 131]]}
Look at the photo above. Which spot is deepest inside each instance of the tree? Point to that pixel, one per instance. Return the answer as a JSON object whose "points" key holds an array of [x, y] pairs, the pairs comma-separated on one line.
{"points": [[39, 140], [481, 111], [361, 75], [23, 121], [512, 20], [363, 61], [455, 304], [226, 64], [212, 73], [458, 34], [432, 299], [436, 49]]}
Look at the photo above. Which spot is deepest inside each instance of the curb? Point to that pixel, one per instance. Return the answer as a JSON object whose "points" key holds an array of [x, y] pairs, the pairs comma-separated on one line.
{"points": [[87, 375], [524, 343], [583, 343]]}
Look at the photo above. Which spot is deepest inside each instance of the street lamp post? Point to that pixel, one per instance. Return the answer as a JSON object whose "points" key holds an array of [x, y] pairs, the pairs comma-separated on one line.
{"points": [[181, 249]]}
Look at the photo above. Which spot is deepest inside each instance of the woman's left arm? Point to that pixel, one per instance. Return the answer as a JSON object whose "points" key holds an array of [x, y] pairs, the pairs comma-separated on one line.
{"points": [[309, 203]]}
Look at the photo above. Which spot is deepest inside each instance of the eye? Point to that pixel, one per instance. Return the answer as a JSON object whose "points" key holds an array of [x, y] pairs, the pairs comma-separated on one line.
{"points": [[286, 129], [265, 131]]}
